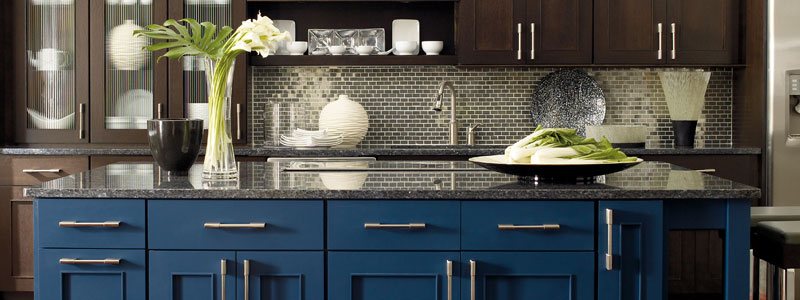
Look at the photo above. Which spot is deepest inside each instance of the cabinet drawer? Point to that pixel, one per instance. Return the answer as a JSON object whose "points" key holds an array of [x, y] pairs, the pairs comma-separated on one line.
{"points": [[90, 223], [91, 274], [235, 224], [393, 225], [32, 170], [527, 225]]}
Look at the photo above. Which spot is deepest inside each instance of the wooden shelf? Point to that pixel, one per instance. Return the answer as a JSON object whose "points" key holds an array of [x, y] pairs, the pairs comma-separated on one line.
{"points": [[403, 1], [352, 60]]}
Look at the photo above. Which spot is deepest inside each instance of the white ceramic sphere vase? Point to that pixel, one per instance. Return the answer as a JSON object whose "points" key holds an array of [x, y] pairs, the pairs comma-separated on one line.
{"points": [[346, 117], [126, 51]]}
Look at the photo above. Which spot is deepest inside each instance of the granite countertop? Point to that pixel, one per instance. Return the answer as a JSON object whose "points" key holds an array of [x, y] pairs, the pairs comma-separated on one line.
{"points": [[439, 180], [373, 150]]}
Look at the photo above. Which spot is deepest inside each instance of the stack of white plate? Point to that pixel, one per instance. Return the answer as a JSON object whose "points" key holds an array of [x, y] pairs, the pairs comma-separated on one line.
{"points": [[311, 139]]}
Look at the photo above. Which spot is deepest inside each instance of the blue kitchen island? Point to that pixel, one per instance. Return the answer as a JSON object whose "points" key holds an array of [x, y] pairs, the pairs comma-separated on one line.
{"points": [[376, 230]]}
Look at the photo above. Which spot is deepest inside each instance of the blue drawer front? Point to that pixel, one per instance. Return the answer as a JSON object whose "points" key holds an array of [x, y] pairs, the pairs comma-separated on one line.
{"points": [[275, 275], [289, 225], [125, 281], [347, 219], [129, 213], [392, 275], [480, 222]]}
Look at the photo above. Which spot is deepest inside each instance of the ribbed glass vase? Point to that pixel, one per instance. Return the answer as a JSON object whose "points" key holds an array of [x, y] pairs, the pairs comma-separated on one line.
{"points": [[220, 162]]}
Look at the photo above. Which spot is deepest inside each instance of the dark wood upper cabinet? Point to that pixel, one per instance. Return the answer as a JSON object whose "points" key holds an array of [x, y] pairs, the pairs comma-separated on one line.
{"points": [[630, 31], [492, 32], [705, 32], [561, 31]]}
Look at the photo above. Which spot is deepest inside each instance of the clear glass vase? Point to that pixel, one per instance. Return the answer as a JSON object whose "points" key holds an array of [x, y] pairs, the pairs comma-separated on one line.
{"points": [[220, 162]]}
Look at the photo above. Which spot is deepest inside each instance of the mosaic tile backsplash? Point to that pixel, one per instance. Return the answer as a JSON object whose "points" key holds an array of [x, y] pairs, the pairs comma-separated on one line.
{"points": [[398, 100]]}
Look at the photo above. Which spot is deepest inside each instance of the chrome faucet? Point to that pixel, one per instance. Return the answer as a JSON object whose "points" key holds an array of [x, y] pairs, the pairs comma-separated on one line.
{"points": [[437, 106]]}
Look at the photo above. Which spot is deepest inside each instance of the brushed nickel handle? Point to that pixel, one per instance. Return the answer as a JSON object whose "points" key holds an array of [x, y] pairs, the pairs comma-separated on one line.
{"points": [[29, 171], [246, 279], [449, 280], [394, 226], [81, 121], [673, 53], [528, 227], [609, 239], [519, 41], [660, 41], [533, 41], [473, 268], [159, 110], [210, 225], [75, 261], [238, 121], [223, 271], [707, 171], [75, 224]]}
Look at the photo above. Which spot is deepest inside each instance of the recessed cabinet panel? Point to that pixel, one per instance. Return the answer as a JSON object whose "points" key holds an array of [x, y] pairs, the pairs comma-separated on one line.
{"points": [[191, 275], [561, 31], [492, 31], [627, 31], [279, 275], [92, 274], [704, 32]]}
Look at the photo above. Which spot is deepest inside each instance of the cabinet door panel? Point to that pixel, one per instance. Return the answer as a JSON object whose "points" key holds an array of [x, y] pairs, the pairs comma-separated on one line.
{"points": [[531, 275], [125, 281], [190, 275], [562, 31], [705, 31], [626, 31], [391, 275], [489, 31], [637, 249], [276, 275]]}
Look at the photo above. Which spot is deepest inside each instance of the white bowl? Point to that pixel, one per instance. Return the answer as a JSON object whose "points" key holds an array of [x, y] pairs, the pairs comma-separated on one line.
{"points": [[365, 50], [42, 122], [405, 47], [432, 47], [337, 50], [630, 135], [297, 48]]}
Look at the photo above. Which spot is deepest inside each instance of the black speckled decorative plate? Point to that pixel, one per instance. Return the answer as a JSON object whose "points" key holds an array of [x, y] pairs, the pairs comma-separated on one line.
{"points": [[568, 98]]}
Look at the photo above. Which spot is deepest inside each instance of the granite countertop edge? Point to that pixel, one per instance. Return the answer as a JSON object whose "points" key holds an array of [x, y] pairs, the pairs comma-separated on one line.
{"points": [[393, 150]]}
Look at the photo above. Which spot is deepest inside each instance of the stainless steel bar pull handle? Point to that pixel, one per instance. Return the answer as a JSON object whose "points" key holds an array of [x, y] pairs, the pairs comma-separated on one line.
{"points": [[394, 226], [449, 280], [210, 225], [159, 110], [473, 268], [30, 171], [75, 224], [519, 41], [246, 279], [660, 41], [609, 239], [528, 227], [223, 271], [238, 121], [81, 122], [75, 261], [533, 41], [673, 53]]}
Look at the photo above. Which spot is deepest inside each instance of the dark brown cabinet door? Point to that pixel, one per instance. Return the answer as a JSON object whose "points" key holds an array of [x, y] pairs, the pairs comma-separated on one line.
{"points": [[702, 31], [16, 249], [561, 31], [492, 32], [627, 31], [187, 92]]}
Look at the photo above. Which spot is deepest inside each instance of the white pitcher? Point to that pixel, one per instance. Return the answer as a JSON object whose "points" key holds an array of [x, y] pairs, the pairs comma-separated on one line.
{"points": [[49, 59]]}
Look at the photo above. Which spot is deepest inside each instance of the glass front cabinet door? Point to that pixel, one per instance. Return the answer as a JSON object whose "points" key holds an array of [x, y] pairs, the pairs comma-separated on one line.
{"points": [[188, 91], [55, 78], [128, 86]]}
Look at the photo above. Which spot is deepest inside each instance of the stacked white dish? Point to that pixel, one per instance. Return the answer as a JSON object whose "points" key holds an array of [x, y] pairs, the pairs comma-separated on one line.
{"points": [[311, 139]]}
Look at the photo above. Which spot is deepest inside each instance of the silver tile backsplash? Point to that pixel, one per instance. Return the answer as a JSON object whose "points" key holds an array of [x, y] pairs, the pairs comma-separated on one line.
{"points": [[399, 99]]}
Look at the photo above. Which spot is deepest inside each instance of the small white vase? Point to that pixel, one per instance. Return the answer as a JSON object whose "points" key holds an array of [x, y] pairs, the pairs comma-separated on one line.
{"points": [[346, 117], [125, 51]]}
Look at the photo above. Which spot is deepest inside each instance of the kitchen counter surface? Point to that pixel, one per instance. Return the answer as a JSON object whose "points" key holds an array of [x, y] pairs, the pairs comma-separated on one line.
{"points": [[375, 150], [438, 180]]}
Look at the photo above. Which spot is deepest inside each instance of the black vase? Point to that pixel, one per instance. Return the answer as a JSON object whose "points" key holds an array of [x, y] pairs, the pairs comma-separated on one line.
{"points": [[175, 143], [684, 133]]}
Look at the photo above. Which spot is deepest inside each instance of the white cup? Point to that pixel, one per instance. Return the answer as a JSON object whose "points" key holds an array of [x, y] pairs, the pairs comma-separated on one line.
{"points": [[365, 50], [297, 48], [49, 59], [432, 47], [405, 47]]}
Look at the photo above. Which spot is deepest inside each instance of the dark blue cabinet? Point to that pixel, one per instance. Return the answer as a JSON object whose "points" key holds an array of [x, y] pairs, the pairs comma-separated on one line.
{"points": [[527, 275], [276, 275], [630, 250], [106, 274], [393, 275], [192, 275]]}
